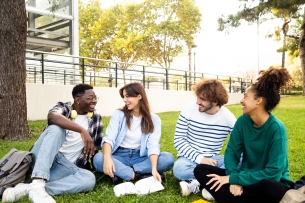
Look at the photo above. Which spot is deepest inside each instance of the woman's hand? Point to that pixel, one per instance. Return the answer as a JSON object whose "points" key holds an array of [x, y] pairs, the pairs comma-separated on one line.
{"points": [[156, 175], [219, 181], [108, 166], [236, 190]]}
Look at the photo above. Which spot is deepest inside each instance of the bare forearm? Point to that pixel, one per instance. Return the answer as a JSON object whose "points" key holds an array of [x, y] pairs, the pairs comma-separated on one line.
{"points": [[154, 160], [63, 122], [107, 149]]}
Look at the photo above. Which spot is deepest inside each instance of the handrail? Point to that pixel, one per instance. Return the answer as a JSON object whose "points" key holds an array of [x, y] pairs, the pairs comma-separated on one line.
{"points": [[64, 69]]}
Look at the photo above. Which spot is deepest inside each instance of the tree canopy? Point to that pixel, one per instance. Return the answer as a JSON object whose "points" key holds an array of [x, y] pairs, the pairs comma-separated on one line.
{"points": [[261, 10], [153, 31]]}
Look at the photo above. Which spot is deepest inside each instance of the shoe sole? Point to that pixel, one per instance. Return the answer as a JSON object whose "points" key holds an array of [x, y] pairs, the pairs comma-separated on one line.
{"points": [[184, 189]]}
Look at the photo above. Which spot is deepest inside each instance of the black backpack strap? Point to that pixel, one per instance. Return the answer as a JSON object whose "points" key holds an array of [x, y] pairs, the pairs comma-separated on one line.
{"points": [[2, 191]]}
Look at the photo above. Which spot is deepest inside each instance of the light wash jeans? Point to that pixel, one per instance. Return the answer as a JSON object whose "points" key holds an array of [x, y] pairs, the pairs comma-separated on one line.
{"points": [[123, 159], [61, 175], [184, 168]]}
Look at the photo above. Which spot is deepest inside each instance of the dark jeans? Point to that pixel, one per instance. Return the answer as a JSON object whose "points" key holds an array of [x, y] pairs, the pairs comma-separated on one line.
{"points": [[268, 191]]}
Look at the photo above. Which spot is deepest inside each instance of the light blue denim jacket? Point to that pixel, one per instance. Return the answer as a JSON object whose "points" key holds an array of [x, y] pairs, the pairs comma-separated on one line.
{"points": [[117, 130]]}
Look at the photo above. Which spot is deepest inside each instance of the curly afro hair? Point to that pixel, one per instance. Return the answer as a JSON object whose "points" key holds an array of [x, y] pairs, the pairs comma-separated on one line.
{"points": [[268, 86]]}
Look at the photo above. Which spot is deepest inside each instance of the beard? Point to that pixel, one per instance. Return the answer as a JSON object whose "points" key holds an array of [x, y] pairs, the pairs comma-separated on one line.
{"points": [[206, 108]]}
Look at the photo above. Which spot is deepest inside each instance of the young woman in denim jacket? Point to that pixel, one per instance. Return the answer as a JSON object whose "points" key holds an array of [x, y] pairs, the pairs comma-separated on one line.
{"points": [[131, 149]]}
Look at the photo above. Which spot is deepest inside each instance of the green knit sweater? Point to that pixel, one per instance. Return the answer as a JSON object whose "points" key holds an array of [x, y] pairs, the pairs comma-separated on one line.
{"points": [[264, 151]]}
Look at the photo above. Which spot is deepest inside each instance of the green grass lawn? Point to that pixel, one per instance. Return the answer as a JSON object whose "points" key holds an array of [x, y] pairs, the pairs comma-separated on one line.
{"points": [[291, 111]]}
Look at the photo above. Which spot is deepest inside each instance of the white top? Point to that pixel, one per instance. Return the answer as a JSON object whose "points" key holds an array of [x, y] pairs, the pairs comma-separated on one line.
{"points": [[132, 139], [74, 144], [199, 134]]}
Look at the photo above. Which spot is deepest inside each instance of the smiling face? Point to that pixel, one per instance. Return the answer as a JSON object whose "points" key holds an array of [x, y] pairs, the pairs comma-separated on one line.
{"points": [[132, 103], [249, 102], [206, 106], [87, 102]]}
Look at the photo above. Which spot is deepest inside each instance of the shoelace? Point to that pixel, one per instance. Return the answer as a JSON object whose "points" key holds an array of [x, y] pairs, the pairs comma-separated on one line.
{"points": [[194, 186]]}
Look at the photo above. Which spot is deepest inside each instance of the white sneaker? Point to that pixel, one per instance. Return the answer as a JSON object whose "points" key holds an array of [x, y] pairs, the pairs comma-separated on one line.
{"points": [[206, 195], [189, 187], [13, 194], [38, 194]]}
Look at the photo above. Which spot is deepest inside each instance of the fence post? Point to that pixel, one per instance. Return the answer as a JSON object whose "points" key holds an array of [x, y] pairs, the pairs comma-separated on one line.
{"points": [[35, 74], [144, 76], [116, 74], [42, 68], [83, 73], [90, 78], [177, 85], [166, 77], [230, 85], [185, 81], [64, 77]]}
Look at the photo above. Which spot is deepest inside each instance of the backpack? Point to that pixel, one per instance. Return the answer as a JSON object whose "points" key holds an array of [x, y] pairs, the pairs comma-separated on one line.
{"points": [[14, 167], [294, 196]]}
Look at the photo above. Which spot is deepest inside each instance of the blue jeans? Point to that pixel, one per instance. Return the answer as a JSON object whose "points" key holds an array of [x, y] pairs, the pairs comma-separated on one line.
{"points": [[184, 168], [124, 158], [61, 175]]}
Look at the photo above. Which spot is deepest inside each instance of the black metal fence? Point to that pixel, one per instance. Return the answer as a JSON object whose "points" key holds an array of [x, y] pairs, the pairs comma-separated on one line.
{"points": [[50, 68]]}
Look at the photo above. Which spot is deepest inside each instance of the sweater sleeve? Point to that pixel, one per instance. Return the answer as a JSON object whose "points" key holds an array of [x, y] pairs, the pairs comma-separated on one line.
{"points": [[234, 150]]}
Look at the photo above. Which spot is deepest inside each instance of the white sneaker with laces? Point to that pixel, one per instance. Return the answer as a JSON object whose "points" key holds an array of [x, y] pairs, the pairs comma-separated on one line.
{"points": [[206, 195], [189, 187], [13, 194], [38, 194]]}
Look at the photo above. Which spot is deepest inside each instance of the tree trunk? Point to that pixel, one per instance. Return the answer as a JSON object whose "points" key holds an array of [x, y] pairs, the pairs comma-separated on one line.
{"points": [[13, 111]]}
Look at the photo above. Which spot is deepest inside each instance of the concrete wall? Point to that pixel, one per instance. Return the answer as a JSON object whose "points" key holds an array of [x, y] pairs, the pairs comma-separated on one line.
{"points": [[40, 98]]}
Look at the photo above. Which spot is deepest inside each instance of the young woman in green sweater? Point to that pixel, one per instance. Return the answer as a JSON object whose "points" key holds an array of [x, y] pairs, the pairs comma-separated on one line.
{"points": [[261, 140]]}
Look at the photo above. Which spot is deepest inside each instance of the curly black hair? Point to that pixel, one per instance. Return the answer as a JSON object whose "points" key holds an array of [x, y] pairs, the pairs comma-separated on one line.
{"points": [[80, 89], [268, 86]]}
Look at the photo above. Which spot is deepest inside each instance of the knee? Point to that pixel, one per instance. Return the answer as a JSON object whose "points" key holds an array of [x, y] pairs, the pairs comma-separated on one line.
{"points": [[167, 158], [55, 129], [199, 170], [178, 171], [88, 181], [98, 161]]}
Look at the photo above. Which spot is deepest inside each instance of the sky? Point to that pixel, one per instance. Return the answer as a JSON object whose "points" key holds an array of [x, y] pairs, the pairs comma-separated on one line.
{"points": [[243, 49]]}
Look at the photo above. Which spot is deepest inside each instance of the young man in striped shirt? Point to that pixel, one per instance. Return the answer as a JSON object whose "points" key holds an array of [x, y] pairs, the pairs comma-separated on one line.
{"points": [[201, 130]]}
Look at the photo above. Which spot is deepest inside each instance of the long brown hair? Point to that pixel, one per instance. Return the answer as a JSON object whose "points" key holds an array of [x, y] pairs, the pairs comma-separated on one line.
{"points": [[268, 85], [133, 90]]}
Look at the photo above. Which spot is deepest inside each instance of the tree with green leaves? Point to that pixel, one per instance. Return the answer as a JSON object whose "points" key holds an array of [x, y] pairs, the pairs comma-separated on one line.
{"points": [[264, 9], [151, 31], [114, 33], [172, 25]]}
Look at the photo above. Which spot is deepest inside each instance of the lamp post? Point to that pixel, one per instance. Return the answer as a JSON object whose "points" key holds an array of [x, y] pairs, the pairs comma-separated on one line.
{"points": [[194, 49]]}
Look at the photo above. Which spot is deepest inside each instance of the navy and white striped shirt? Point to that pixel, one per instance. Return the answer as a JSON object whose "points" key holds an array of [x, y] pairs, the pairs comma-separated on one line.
{"points": [[199, 134]]}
